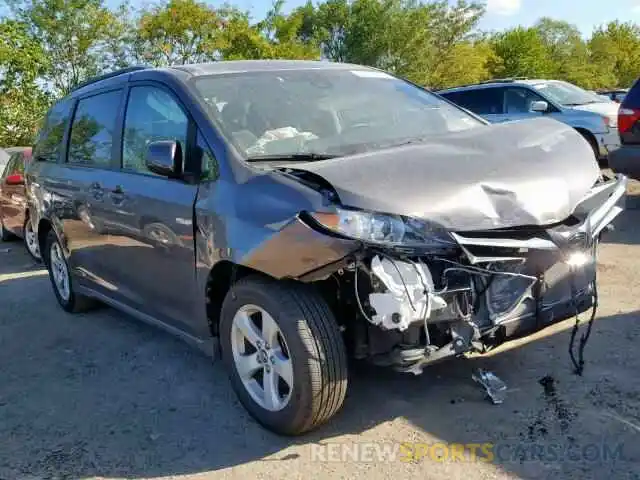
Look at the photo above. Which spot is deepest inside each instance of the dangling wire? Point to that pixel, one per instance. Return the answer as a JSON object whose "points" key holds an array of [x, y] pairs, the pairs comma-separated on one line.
{"points": [[578, 363]]}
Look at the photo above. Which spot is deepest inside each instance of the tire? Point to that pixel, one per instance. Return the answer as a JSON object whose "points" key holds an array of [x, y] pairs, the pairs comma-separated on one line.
{"points": [[5, 235], [30, 239], [314, 345], [594, 145], [72, 302]]}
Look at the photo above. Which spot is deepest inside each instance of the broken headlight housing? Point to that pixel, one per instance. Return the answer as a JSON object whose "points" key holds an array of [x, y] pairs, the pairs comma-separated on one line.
{"points": [[385, 229]]}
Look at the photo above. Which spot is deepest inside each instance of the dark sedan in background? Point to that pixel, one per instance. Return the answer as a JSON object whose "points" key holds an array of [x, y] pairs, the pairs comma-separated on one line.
{"points": [[14, 214], [626, 159]]}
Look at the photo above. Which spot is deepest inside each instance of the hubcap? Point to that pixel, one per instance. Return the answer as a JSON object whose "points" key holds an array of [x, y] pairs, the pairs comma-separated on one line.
{"points": [[31, 240], [262, 358], [59, 271]]}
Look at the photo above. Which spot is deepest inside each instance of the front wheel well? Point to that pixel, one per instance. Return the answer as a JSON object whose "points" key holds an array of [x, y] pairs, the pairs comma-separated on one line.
{"points": [[591, 138], [44, 227], [221, 278]]}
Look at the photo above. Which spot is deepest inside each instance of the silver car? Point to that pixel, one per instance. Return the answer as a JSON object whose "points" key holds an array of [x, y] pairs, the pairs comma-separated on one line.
{"points": [[516, 99]]}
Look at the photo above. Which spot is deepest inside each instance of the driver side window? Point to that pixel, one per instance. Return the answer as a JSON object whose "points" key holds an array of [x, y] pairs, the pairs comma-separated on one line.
{"points": [[152, 115], [519, 100]]}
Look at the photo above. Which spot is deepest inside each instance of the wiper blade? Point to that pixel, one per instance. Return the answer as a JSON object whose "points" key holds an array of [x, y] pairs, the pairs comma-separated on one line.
{"points": [[581, 103], [295, 157]]}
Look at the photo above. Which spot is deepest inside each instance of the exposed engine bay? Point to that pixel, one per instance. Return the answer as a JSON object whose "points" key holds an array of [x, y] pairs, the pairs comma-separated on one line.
{"points": [[438, 249], [413, 307]]}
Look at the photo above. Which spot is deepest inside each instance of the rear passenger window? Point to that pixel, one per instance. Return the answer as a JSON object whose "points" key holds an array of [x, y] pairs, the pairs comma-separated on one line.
{"points": [[92, 130], [49, 141], [152, 115], [483, 101]]}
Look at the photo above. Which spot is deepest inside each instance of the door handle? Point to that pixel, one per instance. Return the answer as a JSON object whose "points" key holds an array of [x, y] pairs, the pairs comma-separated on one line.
{"points": [[96, 190], [117, 194]]}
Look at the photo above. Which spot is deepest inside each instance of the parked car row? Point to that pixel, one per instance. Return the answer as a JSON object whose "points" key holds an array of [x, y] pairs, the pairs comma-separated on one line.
{"points": [[595, 118], [14, 209], [286, 215]]}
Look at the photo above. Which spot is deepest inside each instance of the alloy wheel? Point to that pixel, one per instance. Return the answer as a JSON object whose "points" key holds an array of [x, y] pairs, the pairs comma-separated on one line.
{"points": [[31, 240], [262, 358], [60, 272]]}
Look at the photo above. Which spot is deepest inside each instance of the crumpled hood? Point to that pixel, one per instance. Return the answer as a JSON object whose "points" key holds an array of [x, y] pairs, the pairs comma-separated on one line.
{"points": [[532, 172]]}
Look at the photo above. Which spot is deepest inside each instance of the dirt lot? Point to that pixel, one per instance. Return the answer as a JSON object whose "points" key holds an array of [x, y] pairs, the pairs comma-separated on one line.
{"points": [[101, 396]]}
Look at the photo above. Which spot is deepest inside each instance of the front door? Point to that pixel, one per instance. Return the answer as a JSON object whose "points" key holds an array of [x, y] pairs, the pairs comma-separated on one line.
{"points": [[150, 217], [81, 185]]}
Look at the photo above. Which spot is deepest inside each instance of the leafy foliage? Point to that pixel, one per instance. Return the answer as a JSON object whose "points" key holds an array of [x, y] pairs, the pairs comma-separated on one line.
{"points": [[48, 46]]}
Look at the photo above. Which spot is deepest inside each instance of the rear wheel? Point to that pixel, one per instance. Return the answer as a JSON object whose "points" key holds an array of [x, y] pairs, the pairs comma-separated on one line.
{"points": [[31, 240], [284, 353], [61, 278]]}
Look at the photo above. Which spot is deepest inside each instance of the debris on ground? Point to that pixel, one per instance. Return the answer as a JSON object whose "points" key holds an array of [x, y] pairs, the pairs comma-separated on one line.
{"points": [[495, 388]]}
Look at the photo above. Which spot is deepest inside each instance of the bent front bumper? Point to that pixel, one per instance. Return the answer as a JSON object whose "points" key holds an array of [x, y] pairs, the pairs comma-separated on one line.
{"points": [[543, 275]]}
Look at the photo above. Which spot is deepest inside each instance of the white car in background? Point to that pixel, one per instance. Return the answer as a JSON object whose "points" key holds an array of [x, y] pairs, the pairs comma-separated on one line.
{"points": [[511, 99]]}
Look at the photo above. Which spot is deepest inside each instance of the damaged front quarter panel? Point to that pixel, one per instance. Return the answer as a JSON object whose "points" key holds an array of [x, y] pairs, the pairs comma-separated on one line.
{"points": [[508, 246]]}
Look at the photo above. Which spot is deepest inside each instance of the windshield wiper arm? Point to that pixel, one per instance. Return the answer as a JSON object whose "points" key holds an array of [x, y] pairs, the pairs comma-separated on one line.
{"points": [[294, 157]]}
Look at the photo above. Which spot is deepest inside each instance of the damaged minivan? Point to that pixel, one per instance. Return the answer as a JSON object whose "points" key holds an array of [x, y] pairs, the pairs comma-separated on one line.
{"points": [[288, 215]]}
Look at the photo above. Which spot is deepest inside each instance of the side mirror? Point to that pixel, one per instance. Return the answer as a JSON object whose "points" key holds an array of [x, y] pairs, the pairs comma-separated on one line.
{"points": [[15, 179], [539, 106], [164, 158]]}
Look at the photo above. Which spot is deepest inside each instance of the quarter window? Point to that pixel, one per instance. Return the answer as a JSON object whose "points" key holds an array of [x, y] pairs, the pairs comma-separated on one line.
{"points": [[152, 115], [482, 101], [93, 128], [49, 141]]}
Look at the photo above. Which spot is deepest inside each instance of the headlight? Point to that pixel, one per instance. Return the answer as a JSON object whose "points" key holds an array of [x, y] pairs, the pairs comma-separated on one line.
{"points": [[385, 229]]}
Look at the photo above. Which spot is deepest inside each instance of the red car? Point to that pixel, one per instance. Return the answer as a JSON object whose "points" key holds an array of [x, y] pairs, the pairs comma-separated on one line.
{"points": [[14, 215]]}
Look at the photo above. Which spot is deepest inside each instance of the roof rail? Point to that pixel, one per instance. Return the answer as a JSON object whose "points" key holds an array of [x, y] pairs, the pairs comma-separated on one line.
{"points": [[105, 76], [505, 80], [487, 82]]}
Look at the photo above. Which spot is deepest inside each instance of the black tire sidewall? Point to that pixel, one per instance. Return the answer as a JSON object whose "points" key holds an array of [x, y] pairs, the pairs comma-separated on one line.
{"points": [[300, 403]]}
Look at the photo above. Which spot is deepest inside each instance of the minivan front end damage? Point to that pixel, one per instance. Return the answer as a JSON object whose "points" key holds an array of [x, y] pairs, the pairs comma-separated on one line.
{"points": [[408, 303]]}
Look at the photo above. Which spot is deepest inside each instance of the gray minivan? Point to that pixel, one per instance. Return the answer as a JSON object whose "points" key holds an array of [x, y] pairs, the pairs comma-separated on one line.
{"points": [[283, 215]]}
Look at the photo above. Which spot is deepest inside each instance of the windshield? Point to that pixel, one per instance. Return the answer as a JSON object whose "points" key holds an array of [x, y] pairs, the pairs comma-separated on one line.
{"points": [[328, 112], [567, 94]]}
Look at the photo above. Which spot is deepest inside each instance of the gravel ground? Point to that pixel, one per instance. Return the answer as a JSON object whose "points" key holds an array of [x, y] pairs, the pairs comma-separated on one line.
{"points": [[102, 396]]}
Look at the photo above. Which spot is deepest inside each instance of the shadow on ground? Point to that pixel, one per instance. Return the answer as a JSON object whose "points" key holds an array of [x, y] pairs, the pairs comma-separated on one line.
{"points": [[101, 395]]}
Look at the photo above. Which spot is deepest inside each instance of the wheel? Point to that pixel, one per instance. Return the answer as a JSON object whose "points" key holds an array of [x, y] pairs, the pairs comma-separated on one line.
{"points": [[594, 145], [284, 353], [31, 240], [5, 235], [61, 279], [160, 234]]}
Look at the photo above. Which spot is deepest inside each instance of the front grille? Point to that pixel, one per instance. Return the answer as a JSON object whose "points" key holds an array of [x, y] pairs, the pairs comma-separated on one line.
{"points": [[578, 241]]}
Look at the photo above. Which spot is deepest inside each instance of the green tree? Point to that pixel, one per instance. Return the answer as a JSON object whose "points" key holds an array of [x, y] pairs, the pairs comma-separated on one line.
{"points": [[616, 51], [74, 36], [22, 100], [568, 52], [521, 52], [178, 32]]}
